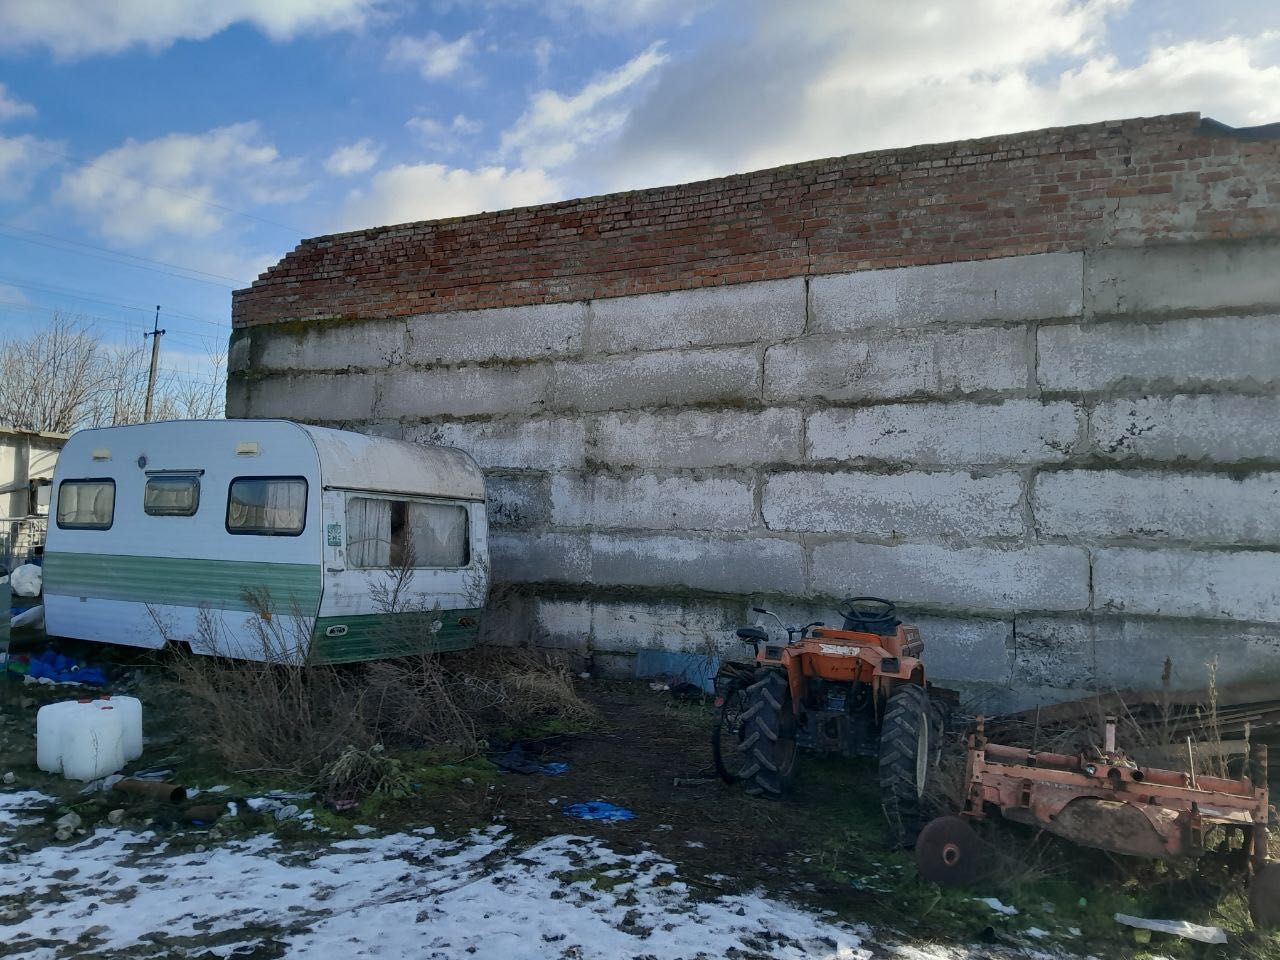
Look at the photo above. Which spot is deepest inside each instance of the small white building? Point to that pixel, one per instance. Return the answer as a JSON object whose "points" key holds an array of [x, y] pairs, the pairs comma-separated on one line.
{"points": [[27, 461]]}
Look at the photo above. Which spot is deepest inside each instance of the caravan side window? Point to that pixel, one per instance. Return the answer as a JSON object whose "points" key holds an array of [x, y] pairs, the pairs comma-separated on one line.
{"points": [[171, 496], [86, 504], [406, 533], [267, 506]]}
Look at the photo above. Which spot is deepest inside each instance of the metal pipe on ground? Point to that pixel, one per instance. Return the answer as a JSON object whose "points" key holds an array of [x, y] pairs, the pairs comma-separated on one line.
{"points": [[153, 790]]}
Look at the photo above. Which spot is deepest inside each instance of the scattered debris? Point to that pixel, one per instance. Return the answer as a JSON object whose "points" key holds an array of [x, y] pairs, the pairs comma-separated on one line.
{"points": [[1178, 928], [157, 790], [598, 810], [53, 668], [997, 906]]}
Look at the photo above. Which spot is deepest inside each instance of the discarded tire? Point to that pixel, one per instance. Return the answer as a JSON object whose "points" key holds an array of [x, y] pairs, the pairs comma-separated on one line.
{"points": [[905, 759], [768, 737], [727, 733], [948, 851]]}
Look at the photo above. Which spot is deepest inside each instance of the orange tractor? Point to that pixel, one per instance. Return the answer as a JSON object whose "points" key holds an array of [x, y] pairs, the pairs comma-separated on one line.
{"points": [[857, 691]]}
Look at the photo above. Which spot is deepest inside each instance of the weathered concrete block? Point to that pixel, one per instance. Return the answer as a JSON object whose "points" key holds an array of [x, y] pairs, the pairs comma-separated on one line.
{"points": [[695, 438], [739, 313], [1131, 653], [240, 351], [314, 396], [691, 627], [658, 378], [1015, 431], [1205, 508], [648, 502], [542, 443], [1175, 354], [518, 501], [974, 578], [910, 505], [562, 624], [1011, 288], [504, 333], [464, 391], [1206, 427], [330, 346], [965, 650], [917, 363], [238, 403], [1198, 276], [1214, 584], [518, 557], [717, 564]]}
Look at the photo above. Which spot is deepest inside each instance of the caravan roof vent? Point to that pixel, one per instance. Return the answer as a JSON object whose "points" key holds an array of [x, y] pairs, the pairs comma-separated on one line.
{"points": [[247, 448], [102, 453]]}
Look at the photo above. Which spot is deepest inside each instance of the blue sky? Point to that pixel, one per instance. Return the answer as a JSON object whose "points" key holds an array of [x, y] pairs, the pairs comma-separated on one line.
{"points": [[166, 151]]}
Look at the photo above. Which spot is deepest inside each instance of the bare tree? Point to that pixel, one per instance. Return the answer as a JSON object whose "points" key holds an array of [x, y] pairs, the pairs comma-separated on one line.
{"points": [[65, 377], [49, 380]]}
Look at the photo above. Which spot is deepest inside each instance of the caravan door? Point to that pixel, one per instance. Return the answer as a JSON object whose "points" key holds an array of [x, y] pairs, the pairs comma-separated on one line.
{"points": [[402, 575]]}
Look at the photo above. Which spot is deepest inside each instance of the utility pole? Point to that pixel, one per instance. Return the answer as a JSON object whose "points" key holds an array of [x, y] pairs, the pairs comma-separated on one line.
{"points": [[155, 335]]}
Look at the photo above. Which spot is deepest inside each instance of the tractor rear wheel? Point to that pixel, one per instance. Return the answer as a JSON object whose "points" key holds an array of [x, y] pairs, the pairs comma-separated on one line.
{"points": [[905, 755], [768, 736]]}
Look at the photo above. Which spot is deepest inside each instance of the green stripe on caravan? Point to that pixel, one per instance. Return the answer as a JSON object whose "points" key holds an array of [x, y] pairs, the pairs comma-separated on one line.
{"points": [[379, 635], [217, 584]]}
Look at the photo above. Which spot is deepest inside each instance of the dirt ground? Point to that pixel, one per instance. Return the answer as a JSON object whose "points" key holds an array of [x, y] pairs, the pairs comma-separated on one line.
{"points": [[824, 848]]}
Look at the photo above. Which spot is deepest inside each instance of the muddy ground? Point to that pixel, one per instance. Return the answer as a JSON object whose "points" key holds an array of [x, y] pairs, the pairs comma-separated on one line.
{"points": [[824, 848]]}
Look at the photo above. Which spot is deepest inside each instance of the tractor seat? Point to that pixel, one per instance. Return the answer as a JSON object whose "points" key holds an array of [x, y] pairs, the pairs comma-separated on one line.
{"points": [[884, 627], [752, 633]]}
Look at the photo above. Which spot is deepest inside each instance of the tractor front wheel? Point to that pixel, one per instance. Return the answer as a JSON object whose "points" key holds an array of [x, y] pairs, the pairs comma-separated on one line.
{"points": [[768, 736], [905, 756]]}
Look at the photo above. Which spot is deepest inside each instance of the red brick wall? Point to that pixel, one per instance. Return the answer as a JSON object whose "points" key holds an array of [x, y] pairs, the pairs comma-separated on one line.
{"points": [[1123, 182]]}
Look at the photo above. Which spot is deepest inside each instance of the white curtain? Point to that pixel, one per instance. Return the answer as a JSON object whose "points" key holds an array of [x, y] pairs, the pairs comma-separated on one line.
{"points": [[268, 505], [368, 532], [438, 534], [172, 496], [86, 504]]}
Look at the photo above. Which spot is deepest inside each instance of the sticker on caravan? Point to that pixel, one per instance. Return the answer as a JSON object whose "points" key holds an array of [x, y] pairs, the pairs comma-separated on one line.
{"points": [[335, 534]]}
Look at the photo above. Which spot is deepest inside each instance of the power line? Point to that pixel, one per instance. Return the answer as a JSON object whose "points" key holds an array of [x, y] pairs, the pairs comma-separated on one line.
{"points": [[155, 186], [131, 328], [116, 256], [91, 298]]}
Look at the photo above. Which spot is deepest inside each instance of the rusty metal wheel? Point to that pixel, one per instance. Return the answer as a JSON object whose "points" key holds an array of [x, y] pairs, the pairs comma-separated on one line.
{"points": [[948, 851], [1264, 897]]}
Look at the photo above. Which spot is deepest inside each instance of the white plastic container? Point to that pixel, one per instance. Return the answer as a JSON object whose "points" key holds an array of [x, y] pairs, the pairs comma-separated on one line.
{"points": [[93, 742], [130, 709], [51, 720]]}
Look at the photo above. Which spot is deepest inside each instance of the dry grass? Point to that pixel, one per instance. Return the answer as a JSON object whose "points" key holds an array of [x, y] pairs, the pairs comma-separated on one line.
{"points": [[328, 724]]}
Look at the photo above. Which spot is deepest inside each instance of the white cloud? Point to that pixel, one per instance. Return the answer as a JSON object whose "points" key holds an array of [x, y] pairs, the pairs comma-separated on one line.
{"points": [[556, 127], [76, 28], [12, 296], [849, 77], [180, 185], [620, 15], [22, 160], [11, 107], [445, 137], [353, 158], [432, 55], [429, 191]]}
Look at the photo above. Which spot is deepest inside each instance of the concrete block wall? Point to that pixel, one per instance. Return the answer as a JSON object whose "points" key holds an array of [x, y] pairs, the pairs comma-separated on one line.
{"points": [[1062, 464]]}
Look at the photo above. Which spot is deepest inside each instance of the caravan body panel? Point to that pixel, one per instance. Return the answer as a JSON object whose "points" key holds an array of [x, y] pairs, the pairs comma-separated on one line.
{"points": [[259, 567]]}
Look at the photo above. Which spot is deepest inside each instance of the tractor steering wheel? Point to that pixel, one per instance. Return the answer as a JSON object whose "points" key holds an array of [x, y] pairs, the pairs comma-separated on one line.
{"points": [[866, 610]]}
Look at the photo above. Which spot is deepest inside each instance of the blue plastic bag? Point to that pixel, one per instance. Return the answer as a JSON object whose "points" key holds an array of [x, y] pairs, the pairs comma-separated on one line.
{"points": [[598, 810]]}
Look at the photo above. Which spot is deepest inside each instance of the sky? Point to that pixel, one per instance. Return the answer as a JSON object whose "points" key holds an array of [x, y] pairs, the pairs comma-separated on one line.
{"points": [[167, 151]]}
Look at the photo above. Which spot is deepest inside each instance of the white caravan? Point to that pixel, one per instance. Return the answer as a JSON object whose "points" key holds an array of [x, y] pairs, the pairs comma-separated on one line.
{"points": [[265, 539]]}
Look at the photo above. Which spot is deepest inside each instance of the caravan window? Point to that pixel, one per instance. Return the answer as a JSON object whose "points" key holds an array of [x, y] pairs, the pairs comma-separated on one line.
{"points": [[406, 533], [267, 506], [86, 504], [171, 496]]}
